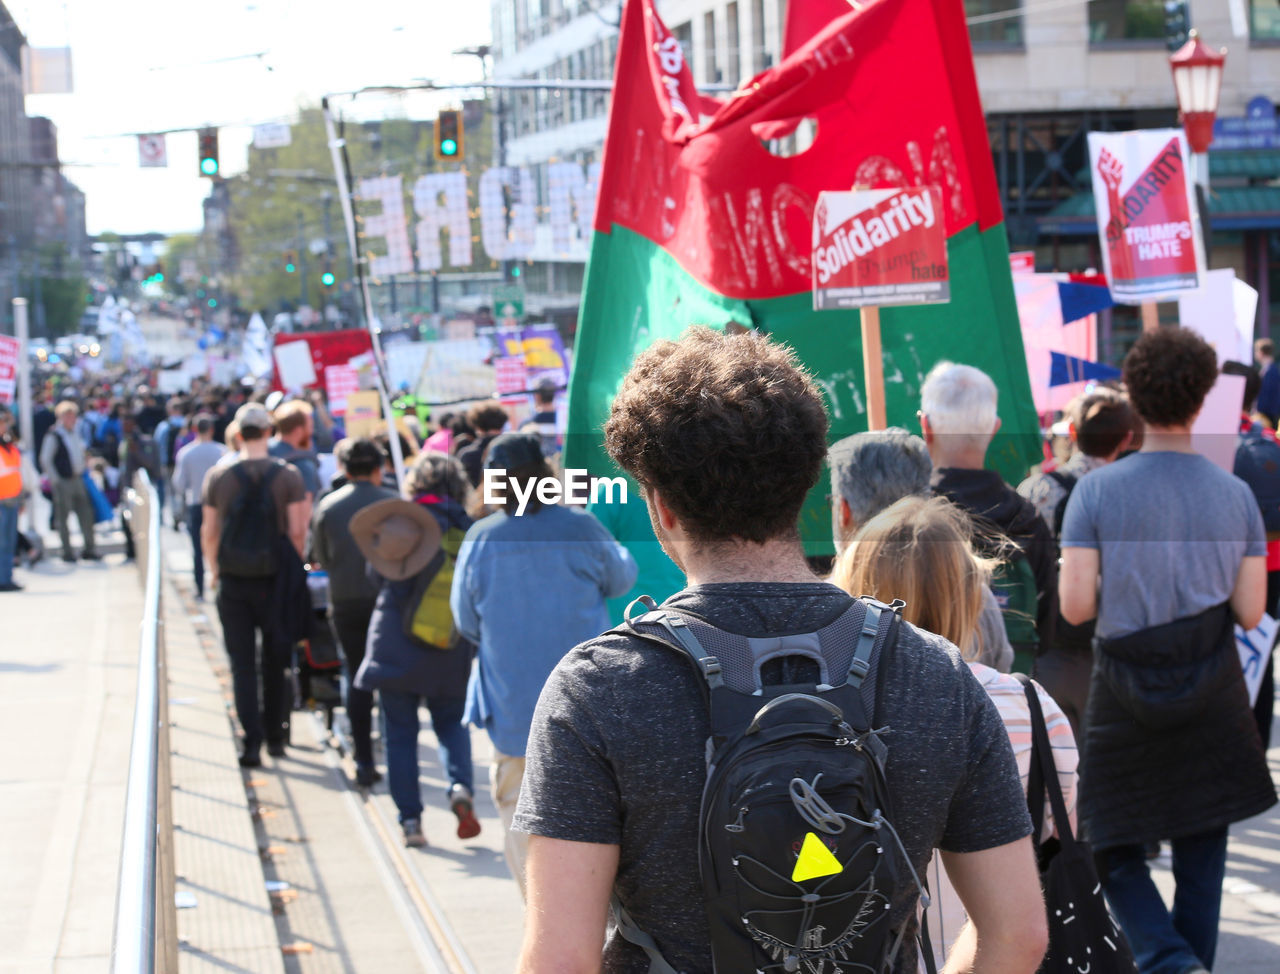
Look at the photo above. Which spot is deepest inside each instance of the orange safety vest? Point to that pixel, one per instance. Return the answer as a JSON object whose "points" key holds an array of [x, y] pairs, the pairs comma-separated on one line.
{"points": [[10, 471]]}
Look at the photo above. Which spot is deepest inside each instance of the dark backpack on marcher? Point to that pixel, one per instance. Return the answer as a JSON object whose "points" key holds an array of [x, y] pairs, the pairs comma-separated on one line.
{"points": [[61, 456], [1068, 483], [1083, 935], [1257, 463], [799, 860], [249, 544]]}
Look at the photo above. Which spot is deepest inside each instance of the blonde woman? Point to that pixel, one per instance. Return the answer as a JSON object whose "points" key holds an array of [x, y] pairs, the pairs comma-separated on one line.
{"points": [[919, 550]]}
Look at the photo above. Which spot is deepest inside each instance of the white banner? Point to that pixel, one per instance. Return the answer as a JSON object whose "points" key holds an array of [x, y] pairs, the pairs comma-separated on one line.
{"points": [[273, 135], [152, 152]]}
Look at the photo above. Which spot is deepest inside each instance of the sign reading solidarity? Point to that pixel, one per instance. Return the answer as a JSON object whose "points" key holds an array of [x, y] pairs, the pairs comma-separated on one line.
{"points": [[1146, 214], [879, 247]]}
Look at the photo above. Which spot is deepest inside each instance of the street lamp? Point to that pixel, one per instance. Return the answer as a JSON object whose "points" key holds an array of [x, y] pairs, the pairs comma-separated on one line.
{"points": [[1197, 82]]}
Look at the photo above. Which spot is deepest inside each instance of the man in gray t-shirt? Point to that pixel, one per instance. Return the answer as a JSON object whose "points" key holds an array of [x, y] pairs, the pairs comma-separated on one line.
{"points": [[727, 437], [1171, 530], [1166, 549]]}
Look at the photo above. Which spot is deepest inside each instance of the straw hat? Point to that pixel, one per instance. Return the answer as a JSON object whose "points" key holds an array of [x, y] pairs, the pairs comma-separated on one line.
{"points": [[397, 537]]}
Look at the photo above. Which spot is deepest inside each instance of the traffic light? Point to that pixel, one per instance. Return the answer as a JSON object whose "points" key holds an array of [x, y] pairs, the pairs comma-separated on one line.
{"points": [[208, 139], [1177, 23], [448, 140], [510, 271], [290, 262], [327, 278]]}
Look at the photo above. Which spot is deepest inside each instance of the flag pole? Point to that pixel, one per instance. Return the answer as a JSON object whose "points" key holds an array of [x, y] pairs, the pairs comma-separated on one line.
{"points": [[340, 174], [873, 369], [1150, 317]]}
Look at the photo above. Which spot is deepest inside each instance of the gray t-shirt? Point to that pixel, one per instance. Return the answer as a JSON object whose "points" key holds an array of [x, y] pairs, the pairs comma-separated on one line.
{"points": [[616, 756], [1171, 529]]}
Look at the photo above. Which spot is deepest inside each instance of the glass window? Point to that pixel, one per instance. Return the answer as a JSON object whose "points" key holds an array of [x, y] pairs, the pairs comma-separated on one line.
{"points": [[1264, 20], [732, 58], [994, 21], [759, 56], [1126, 20], [709, 34]]}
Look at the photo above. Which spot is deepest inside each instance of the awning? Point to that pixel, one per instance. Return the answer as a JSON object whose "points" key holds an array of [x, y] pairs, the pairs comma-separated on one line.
{"points": [[1231, 208]]}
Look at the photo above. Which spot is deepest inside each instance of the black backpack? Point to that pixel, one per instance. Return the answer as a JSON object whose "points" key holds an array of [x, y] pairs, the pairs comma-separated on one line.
{"points": [[799, 860], [61, 456], [1067, 482], [247, 547], [1257, 463]]}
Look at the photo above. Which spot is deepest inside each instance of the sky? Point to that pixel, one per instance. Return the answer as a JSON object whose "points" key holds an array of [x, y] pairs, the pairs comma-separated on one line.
{"points": [[150, 65]]}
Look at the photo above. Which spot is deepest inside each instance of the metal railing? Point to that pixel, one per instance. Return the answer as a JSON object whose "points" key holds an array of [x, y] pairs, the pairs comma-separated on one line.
{"points": [[145, 938]]}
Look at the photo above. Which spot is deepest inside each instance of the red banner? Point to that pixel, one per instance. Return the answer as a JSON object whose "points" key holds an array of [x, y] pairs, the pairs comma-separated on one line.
{"points": [[691, 174], [1146, 214], [879, 247], [327, 348]]}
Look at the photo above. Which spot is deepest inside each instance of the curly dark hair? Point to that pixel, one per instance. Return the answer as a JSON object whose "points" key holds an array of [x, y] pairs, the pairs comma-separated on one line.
{"points": [[487, 415], [729, 429], [1168, 373]]}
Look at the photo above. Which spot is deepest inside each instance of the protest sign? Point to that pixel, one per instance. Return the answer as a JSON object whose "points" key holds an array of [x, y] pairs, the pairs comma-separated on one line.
{"points": [[364, 413], [1216, 430], [879, 247], [1255, 648], [1043, 333], [509, 374], [305, 367], [453, 371], [10, 350], [1147, 219], [339, 382]]}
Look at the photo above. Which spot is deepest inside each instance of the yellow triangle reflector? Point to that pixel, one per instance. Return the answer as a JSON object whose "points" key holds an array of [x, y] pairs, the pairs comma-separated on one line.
{"points": [[815, 860]]}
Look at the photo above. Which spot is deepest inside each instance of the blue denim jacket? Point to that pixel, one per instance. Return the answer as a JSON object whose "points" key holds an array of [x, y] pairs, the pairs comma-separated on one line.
{"points": [[526, 590]]}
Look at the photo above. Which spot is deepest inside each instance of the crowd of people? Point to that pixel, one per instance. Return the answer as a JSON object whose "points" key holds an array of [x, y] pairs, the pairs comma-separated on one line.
{"points": [[1114, 575]]}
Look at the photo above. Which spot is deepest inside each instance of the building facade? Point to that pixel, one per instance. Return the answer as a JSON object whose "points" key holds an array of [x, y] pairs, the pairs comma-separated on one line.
{"points": [[1048, 74]]}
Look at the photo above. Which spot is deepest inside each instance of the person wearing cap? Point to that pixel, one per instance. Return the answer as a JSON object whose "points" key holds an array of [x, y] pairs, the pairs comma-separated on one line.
{"points": [[527, 588], [247, 605], [295, 426], [409, 664], [351, 592]]}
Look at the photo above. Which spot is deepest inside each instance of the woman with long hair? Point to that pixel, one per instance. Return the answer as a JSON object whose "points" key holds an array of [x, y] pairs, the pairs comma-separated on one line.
{"points": [[920, 550]]}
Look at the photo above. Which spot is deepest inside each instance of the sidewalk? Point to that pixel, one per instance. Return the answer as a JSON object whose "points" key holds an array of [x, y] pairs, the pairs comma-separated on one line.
{"points": [[67, 670]]}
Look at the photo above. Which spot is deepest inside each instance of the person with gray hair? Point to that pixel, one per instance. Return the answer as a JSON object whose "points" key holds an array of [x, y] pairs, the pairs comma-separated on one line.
{"points": [[958, 416], [872, 471]]}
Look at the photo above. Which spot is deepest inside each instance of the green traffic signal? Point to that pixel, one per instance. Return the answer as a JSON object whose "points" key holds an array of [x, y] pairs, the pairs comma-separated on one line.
{"points": [[448, 147], [515, 271], [159, 278], [327, 279], [213, 302], [209, 166], [290, 267]]}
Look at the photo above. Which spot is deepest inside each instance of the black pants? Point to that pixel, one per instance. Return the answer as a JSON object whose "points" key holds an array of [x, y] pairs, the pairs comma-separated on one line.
{"points": [[195, 521], [246, 607], [351, 627], [1265, 706]]}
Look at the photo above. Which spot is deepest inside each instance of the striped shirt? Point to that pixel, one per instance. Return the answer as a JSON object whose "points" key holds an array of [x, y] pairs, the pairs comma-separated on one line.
{"points": [[946, 915]]}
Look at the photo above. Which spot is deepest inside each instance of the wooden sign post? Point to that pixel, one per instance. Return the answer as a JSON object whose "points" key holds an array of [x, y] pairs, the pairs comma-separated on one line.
{"points": [[873, 369], [1150, 317], [874, 248]]}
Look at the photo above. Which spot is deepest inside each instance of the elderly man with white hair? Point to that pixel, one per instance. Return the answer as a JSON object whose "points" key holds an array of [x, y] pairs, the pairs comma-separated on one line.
{"points": [[958, 418]]}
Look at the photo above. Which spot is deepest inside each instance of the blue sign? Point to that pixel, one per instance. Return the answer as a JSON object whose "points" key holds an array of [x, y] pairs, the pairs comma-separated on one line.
{"points": [[1257, 129]]}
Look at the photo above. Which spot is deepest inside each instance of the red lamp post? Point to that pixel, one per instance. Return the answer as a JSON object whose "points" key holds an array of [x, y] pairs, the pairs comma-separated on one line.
{"points": [[1197, 82]]}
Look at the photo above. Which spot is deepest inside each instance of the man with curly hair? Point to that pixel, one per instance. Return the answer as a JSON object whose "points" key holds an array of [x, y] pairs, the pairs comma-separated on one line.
{"points": [[726, 435], [1168, 552]]}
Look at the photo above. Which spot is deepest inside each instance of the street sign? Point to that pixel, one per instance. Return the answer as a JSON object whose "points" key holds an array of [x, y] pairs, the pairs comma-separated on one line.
{"points": [[508, 302], [152, 151]]}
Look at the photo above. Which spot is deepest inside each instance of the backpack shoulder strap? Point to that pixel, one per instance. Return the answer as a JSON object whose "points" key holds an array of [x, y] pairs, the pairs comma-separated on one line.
{"points": [[631, 933]]}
